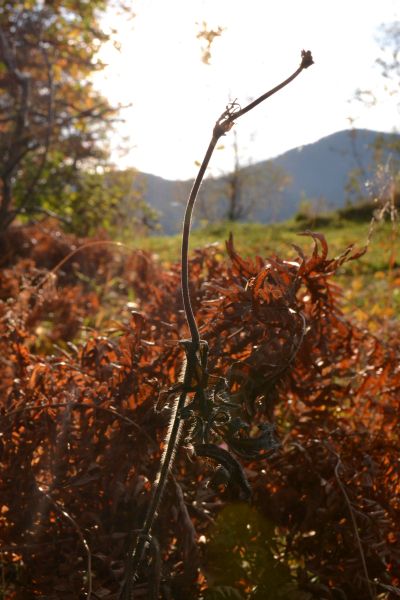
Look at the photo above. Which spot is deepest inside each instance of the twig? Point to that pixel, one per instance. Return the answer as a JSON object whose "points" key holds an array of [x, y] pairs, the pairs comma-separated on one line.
{"points": [[17, 548], [3, 575], [339, 464], [390, 588], [75, 525], [143, 541], [44, 211], [154, 588], [187, 523], [76, 251], [47, 138], [83, 406], [10, 157]]}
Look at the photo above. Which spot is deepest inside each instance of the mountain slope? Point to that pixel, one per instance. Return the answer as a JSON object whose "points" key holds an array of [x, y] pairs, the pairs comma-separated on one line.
{"points": [[318, 171]]}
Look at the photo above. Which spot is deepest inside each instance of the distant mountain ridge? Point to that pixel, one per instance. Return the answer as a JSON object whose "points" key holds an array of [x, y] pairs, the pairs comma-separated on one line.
{"points": [[317, 171]]}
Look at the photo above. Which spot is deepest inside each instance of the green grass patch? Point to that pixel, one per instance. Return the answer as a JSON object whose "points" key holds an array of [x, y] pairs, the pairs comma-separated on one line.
{"points": [[370, 284], [264, 240]]}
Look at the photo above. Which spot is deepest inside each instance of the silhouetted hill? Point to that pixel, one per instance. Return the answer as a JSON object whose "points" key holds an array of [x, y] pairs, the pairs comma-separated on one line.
{"points": [[318, 172]]}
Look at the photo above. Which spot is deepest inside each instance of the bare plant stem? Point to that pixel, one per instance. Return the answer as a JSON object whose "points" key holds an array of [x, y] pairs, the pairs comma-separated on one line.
{"points": [[81, 406], [75, 525], [144, 536], [355, 527], [222, 126], [3, 575], [53, 271], [338, 466]]}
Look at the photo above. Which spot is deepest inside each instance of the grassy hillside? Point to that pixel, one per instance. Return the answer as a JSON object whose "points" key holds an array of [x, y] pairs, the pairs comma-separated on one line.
{"points": [[370, 284], [317, 171]]}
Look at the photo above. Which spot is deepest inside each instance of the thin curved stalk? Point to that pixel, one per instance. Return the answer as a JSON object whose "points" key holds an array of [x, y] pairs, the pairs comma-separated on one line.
{"points": [[222, 126], [194, 332], [193, 346]]}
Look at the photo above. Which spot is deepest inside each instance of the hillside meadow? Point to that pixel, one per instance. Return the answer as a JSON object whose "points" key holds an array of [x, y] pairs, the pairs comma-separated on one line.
{"points": [[370, 285]]}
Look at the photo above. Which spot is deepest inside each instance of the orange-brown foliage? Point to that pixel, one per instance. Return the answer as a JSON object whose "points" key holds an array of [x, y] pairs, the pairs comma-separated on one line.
{"points": [[80, 441]]}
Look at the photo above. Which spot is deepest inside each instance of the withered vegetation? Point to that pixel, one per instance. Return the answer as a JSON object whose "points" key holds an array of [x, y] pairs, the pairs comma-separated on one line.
{"points": [[82, 433]]}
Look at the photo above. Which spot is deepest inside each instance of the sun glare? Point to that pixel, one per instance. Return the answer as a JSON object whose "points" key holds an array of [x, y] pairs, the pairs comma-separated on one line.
{"points": [[175, 98]]}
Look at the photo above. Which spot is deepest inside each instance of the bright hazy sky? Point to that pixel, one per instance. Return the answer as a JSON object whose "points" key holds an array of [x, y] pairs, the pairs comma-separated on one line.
{"points": [[176, 99]]}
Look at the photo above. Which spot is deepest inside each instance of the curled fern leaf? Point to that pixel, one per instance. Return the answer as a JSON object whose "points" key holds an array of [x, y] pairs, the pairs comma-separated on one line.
{"points": [[253, 448], [229, 463]]}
